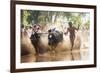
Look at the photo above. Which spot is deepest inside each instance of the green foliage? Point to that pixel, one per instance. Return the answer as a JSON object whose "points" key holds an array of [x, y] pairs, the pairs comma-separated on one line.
{"points": [[45, 17], [87, 24], [33, 17], [24, 16], [75, 18]]}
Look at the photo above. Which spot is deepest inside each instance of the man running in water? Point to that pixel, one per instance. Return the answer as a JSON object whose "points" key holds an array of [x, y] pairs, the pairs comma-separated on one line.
{"points": [[71, 29]]}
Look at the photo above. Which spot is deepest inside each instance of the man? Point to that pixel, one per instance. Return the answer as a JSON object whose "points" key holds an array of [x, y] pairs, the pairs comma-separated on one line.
{"points": [[71, 30]]}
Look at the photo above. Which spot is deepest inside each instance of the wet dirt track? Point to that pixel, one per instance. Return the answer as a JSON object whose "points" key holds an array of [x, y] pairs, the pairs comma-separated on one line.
{"points": [[61, 53]]}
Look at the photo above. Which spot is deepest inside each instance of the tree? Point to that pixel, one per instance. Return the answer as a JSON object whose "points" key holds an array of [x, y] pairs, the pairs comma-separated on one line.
{"points": [[51, 17], [33, 17], [24, 17], [87, 24]]}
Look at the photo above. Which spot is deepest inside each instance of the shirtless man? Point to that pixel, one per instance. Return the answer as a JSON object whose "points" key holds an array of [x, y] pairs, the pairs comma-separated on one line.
{"points": [[71, 30]]}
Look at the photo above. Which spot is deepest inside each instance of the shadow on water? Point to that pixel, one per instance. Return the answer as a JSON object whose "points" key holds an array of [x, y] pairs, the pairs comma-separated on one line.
{"points": [[56, 56]]}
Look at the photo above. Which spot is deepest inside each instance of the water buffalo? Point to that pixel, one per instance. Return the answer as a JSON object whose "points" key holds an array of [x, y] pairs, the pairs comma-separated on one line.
{"points": [[54, 37]]}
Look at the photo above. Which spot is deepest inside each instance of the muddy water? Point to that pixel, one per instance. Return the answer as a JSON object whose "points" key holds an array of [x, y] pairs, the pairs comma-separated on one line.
{"points": [[57, 56], [62, 52]]}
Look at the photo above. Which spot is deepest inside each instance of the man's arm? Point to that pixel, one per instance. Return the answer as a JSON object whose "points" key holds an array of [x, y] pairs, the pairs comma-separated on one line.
{"points": [[77, 28]]}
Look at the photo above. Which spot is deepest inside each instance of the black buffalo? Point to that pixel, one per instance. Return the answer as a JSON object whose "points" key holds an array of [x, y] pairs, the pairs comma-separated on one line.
{"points": [[54, 37]]}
